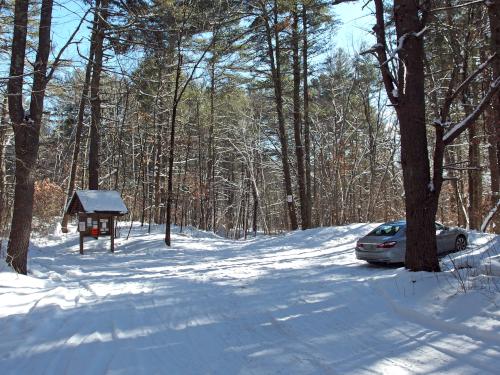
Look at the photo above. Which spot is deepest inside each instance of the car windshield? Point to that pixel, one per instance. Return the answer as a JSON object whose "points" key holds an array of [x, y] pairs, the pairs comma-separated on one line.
{"points": [[385, 230]]}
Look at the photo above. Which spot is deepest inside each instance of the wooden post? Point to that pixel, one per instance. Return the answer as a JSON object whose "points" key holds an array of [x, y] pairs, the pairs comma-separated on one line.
{"points": [[81, 243], [112, 233]]}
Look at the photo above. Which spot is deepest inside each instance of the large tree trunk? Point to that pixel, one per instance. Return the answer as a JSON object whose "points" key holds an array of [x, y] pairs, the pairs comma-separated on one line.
{"points": [[95, 100], [299, 149], [26, 127], [420, 197]]}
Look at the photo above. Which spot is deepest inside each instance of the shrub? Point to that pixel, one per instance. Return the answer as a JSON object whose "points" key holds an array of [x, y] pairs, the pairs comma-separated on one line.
{"points": [[49, 199]]}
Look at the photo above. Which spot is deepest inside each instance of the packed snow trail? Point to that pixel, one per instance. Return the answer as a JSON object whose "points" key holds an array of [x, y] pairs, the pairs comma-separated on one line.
{"points": [[294, 304]]}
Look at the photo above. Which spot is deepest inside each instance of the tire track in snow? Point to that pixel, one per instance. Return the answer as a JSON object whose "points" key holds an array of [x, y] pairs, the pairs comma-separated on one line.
{"points": [[433, 325], [443, 326]]}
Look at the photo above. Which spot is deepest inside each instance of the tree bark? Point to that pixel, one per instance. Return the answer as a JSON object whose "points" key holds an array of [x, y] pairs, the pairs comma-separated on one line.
{"points": [[210, 178], [175, 103], [26, 127], [299, 149], [406, 94], [3, 134], [95, 100], [420, 197]]}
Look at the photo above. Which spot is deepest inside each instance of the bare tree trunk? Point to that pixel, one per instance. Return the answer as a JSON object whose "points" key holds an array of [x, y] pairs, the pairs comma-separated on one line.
{"points": [[473, 175], [420, 197], [3, 134], [211, 149], [278, 96], [494, 129], [26, 127], [493, 164], [307, 132], [95, 100], [158, 120], [255, 197], [299, 149], [175, 103], [494, 18]]}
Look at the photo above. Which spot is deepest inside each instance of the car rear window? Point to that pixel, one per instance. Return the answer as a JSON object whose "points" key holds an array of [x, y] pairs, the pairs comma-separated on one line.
{"points": [[385, 230]]}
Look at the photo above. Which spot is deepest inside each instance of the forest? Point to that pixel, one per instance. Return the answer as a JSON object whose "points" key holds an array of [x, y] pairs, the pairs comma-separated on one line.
{"points": [[241, 117]]}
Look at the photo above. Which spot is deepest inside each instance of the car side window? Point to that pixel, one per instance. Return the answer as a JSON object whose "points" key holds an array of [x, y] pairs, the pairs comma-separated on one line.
{"points": [[439, 226]]}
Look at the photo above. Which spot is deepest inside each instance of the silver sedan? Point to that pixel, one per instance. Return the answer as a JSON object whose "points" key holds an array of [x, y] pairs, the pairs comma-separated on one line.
{"points": [[387, 243]]}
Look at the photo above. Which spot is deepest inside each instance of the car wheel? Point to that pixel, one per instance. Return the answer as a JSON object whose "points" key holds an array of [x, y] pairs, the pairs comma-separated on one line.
{"points": [[460, 243]]}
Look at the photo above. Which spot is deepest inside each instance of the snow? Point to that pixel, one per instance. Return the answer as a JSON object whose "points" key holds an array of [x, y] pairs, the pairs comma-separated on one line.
{"points": [[101, 201], [299, 303]]}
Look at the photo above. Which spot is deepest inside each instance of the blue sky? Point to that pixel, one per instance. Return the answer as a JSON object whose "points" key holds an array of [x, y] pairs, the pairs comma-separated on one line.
{"points": [[355, 27], [353, 31]]}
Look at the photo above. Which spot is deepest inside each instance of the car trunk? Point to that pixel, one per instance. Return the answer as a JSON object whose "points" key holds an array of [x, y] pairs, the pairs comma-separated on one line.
{"points": [[370, 242]]}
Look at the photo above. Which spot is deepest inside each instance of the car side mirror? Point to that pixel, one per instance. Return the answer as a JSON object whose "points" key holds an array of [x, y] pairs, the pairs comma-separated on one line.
{"points": [[446, 228]]}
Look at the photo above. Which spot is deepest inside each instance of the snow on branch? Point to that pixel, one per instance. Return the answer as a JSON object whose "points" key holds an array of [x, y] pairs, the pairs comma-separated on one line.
{"points": [[489, 217], [372, 49], [401, 42], [458, 128]]}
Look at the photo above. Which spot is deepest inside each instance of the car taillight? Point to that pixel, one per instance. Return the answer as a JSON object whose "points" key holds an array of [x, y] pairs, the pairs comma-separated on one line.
{"points": [[386, 245], [359, 244]]}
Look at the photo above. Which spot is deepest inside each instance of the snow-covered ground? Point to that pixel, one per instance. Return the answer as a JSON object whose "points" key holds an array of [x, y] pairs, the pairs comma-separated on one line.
{"points": [[294, 304]]}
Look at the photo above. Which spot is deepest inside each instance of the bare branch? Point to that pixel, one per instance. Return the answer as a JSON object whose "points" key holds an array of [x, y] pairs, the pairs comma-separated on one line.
{"points": [[61, 51], [459, 128], [457, 6], [381, 53], [472, 76], [337, 2]]}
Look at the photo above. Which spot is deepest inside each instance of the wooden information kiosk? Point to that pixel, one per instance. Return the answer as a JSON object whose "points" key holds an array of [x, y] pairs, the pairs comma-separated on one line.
{"points": [[96, 210]]}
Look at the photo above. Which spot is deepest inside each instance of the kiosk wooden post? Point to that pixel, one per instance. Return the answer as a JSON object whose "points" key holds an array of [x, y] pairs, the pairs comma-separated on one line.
{"points": [[81, 243], [112, 231]]}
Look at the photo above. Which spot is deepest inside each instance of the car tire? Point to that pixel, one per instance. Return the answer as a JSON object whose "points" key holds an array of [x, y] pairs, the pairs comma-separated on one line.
{"points": [[460, 243]]}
